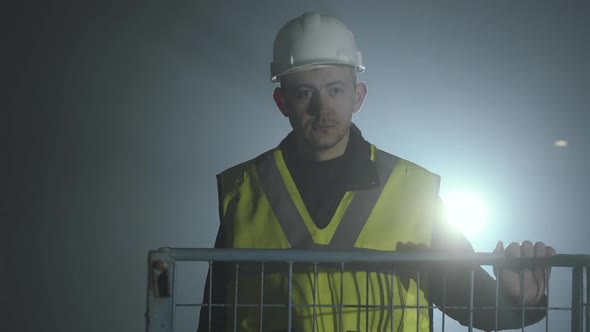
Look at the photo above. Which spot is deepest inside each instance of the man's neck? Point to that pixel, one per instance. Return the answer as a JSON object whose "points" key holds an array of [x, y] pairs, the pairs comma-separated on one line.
{"points": [[324, 154]]}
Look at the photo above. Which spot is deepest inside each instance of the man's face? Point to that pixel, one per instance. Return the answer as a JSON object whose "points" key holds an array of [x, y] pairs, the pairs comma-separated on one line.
{"points": [[320, 103]]}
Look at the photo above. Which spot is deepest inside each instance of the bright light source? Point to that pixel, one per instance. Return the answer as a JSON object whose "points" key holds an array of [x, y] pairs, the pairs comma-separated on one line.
{"points": [[560, 143], [466, 212]]}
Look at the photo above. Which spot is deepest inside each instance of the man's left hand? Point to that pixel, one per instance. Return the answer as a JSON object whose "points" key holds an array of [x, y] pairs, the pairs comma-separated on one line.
{"points": [[534, 280]]}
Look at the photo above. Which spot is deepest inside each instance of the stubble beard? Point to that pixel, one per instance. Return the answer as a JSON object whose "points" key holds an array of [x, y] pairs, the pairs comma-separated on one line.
{"points": [[317, 140]]}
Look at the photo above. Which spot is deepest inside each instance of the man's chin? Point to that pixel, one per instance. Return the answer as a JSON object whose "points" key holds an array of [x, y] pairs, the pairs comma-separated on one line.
{"points": [[321, 145], [321, 141]]}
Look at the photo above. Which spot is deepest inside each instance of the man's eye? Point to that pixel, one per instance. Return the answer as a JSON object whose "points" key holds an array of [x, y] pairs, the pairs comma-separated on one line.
{"points": [[336, 91], [304, 93]]}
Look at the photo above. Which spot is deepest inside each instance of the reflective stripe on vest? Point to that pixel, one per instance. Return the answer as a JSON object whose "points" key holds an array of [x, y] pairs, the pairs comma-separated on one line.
{"points": [[293, 226]]}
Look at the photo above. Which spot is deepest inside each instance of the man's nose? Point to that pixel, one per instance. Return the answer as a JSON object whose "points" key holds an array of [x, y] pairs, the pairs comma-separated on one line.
{"points": [[317, 104]]}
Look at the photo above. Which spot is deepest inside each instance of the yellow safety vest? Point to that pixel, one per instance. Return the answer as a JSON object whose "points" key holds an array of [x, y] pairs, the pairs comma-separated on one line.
{"points": [[260, 207]]}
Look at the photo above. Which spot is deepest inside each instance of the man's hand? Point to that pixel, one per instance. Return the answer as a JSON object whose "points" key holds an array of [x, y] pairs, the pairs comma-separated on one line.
{"points": [[535, 281]]}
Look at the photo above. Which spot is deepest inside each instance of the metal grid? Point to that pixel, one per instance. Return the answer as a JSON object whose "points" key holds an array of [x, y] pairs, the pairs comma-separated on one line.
{"points": [[163, 287]]}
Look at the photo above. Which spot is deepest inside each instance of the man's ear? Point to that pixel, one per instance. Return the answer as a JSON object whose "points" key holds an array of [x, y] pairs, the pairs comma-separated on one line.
{"points": [[359, 96], [280, 101]]}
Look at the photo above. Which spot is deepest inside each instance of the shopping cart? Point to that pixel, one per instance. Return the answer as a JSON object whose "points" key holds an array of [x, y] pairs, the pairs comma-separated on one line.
{"points": [[163, 287]]}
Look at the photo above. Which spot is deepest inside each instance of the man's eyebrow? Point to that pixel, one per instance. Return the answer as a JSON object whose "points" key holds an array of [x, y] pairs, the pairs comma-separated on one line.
{"points": [[336, 83], [306, 85], [303, 85]]}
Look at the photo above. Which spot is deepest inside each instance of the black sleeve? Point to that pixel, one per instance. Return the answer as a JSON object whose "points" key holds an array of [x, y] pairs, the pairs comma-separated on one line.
{"points": [[450, 287], [219, 275]]}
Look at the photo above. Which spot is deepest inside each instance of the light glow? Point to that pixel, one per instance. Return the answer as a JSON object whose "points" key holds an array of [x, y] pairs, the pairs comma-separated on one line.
{"points": [[466, 212]]}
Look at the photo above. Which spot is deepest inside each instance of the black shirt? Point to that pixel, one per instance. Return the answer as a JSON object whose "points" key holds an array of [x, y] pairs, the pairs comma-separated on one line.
{"points": [[322, 184]]}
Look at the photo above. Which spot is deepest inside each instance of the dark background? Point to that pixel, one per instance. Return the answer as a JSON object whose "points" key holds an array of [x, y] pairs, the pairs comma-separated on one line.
{"points": [[118, 115]]}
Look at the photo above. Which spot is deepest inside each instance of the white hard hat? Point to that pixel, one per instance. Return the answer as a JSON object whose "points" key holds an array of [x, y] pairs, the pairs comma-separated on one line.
{"points": [[311, 41]]}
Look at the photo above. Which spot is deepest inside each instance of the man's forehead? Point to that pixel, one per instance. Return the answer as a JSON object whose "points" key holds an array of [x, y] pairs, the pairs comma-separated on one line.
{"points": [[321, 75]]}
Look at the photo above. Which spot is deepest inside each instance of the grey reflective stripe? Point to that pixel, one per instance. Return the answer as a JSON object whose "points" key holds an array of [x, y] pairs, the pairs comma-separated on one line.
{"points": [[362, 204], [282, 204], [355, 216]]}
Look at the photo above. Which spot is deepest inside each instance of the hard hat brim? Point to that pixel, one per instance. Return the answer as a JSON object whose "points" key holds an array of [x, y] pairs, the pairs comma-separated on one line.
{"points": [[315, 65]]}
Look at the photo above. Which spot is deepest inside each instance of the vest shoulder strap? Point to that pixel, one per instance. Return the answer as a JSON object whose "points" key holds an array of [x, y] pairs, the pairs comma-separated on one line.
{"points": [[362, 204], [230, 178]]}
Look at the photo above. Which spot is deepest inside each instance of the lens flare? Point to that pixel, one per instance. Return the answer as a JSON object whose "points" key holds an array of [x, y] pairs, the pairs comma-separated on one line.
{"points": [[466, 212]]}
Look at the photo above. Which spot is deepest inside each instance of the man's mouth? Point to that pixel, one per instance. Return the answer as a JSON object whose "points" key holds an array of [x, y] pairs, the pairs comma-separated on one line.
{"points": [[322, 126]]}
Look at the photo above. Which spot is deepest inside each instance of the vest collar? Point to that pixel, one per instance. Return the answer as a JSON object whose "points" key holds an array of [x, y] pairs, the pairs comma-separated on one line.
{"points": [[360, 171]]}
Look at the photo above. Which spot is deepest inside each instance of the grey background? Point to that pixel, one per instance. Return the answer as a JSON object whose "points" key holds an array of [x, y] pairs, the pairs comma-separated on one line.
{"points": [[119, 115]]}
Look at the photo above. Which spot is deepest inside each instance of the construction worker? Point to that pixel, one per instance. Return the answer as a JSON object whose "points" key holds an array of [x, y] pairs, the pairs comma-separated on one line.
{"points": [[324, 186]]}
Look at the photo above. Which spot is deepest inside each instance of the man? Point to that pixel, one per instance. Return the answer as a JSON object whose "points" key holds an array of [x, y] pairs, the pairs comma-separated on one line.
{"points": [[325, 187]]}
